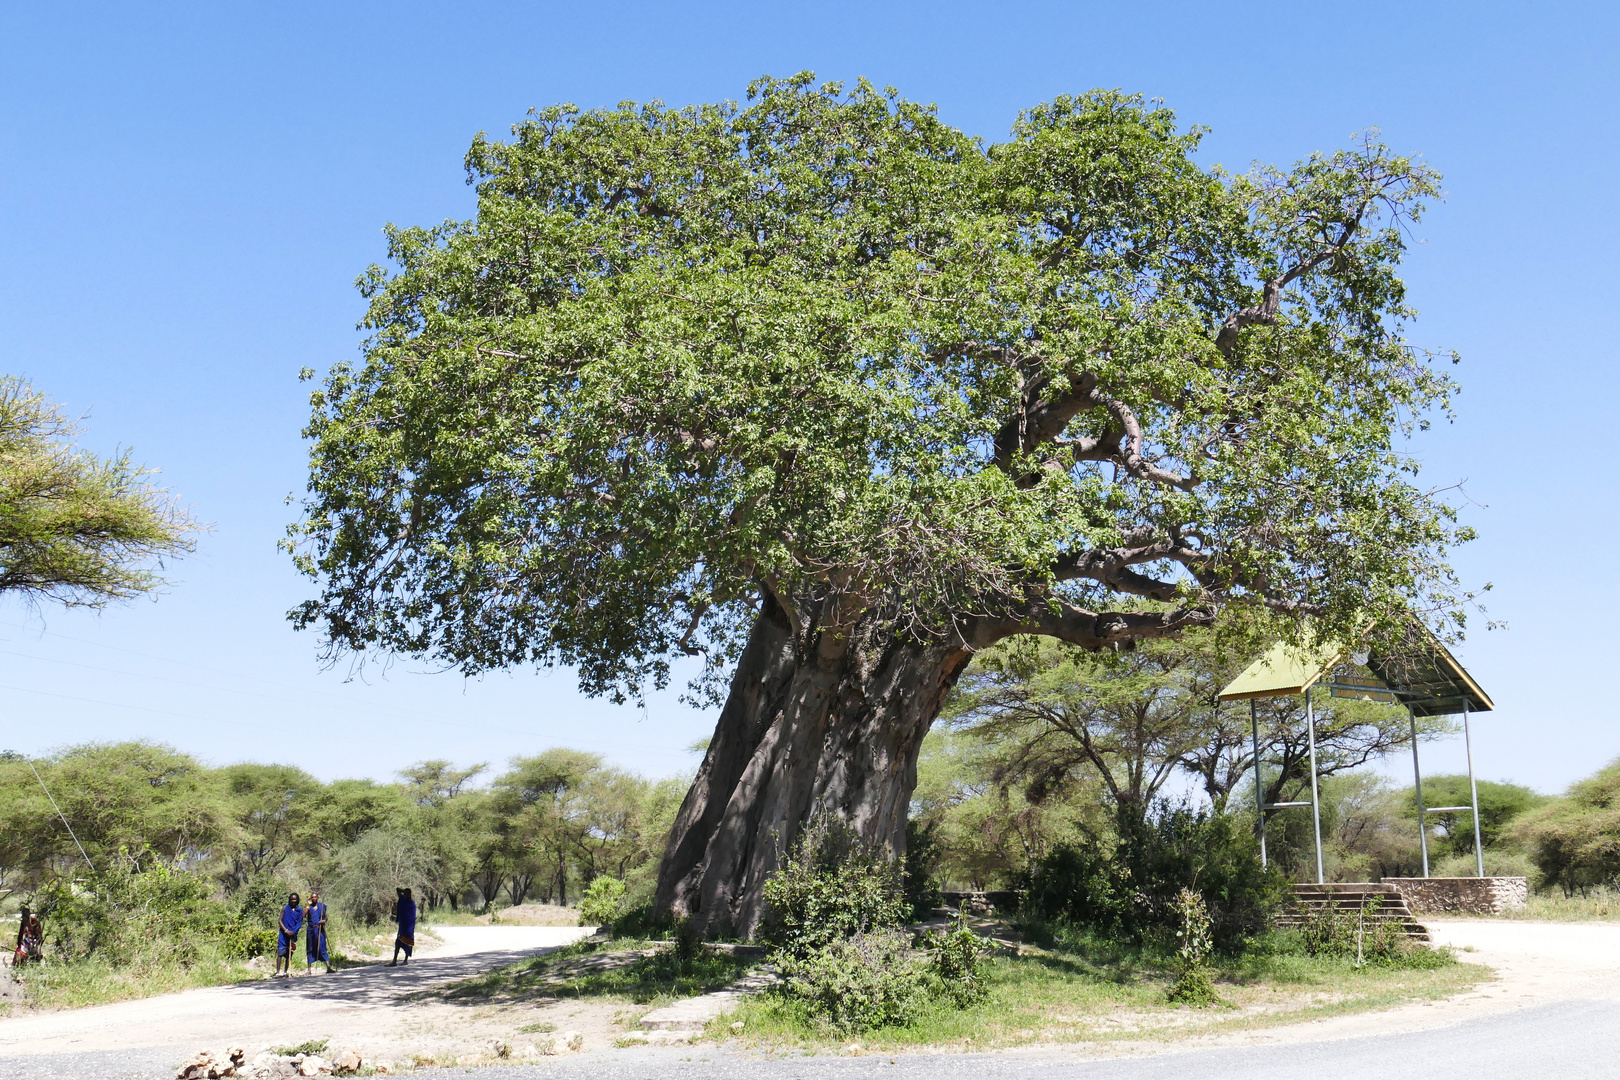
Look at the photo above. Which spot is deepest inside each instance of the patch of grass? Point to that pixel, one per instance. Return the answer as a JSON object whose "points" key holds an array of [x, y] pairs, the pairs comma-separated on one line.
{"points": [[445, 917], [309, 1046], [643, 972], [81, 983], [536, 1029], [1075, 987], [77, 984], [1595, 905]]}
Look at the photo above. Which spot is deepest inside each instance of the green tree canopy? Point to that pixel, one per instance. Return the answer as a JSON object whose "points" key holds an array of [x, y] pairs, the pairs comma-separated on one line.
{"points": [[1500, 804], [272, 807], [1574, 840], [1133, 720], [129, 797], [830, 344], [75, 528]]}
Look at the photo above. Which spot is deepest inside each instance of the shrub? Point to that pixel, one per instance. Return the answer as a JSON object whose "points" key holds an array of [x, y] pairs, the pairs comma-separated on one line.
{"points": [[830, 887], [1497, 864], [1194, 943], [920, 868], [955, 962], [603, 902], [1357, 935], [872, 979], [1575, 840], [687, 943], [1127, 884], [138, 911]]}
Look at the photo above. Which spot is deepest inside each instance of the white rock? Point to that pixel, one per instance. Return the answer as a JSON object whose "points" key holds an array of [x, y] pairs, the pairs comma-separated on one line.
{"points": [[383, 1068], [203, 1065], [573, 1040], [314, 1065], [664, 1037]]}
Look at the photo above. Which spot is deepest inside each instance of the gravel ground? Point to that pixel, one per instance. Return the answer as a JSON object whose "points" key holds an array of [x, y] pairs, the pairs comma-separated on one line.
{"points": [[1569, 1040], [1553, 1010]]}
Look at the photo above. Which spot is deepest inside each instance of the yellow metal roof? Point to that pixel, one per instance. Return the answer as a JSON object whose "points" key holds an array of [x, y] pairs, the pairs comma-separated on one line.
{"points": [[1418, 669], [1429, 680], [1284, 670]]}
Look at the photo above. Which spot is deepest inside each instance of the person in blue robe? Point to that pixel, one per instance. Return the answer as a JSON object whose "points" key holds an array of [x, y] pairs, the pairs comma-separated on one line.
{"points": [[291, 921], [405, 916], [315, 927]]}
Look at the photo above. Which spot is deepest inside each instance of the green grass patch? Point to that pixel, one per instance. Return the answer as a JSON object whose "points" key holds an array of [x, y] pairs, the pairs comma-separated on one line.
{"points": [[79, 983], [639, 971], [97, 980], [1074, 987], [1595, 905], [311, 1046]]}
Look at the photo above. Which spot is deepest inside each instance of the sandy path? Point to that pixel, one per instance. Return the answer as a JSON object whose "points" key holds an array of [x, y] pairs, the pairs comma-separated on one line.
{"points": [[363, 1007]]}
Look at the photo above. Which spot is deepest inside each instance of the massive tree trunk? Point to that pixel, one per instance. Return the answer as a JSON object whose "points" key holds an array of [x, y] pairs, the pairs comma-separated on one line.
{"points": [[822, 721]]}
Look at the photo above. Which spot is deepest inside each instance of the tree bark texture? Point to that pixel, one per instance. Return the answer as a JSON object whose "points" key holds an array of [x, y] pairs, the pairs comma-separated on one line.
{"points": [[820, 722]]}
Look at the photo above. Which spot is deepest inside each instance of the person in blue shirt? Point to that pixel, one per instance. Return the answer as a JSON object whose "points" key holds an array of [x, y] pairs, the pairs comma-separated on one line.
{"points": [[292, 920], [315, 943], [405, 916]]}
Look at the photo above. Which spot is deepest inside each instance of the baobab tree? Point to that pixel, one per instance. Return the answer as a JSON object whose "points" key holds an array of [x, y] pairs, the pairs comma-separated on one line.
{"points": [[830, 394]]}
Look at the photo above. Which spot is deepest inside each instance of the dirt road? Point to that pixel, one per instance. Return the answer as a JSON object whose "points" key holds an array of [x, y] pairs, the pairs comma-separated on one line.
{"points": [[363, 1007], [1546, 974]]}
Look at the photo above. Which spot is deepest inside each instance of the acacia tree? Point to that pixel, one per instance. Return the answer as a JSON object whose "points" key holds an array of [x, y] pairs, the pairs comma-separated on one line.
{"points": [[833, 395], [1133, 720], [74, 528]]}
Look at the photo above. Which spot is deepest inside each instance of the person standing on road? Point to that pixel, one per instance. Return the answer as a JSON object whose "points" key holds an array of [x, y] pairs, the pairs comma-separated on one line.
{"points": [[405, 916], [315, 943], [292, 920]]}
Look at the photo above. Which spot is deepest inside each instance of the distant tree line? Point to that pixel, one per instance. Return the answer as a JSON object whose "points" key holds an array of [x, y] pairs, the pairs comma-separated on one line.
{"points": [[540, 831]]}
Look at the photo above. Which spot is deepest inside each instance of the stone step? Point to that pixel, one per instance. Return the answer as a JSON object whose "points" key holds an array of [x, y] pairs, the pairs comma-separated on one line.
{"points": [[1376, 903], [694, 1013]]}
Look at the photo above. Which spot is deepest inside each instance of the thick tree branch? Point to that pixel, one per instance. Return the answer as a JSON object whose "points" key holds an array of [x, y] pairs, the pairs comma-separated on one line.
{"points": [[1265, 312], [1092, 630]]}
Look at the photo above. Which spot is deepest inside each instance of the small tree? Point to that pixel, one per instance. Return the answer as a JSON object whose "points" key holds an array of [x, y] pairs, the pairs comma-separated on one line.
{"points": [[1499, 806], [74, 528], [1575, 840], [373, 866]]}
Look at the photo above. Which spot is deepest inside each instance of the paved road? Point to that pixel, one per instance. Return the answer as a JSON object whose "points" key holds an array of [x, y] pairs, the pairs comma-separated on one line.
{"points": [[1554, 1012]]}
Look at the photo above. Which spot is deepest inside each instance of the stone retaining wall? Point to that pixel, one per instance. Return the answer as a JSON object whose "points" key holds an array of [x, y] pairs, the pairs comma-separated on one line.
{"points": [[983, 903], [1462, 895]]}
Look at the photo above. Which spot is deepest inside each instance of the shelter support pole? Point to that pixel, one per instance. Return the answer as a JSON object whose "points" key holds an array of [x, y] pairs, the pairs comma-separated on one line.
{"points": [[1473, 790], [1417, 785], [1316, 797], [1259, 790]]}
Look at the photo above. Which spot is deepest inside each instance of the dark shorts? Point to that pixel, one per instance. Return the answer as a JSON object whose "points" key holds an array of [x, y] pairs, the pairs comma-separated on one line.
{"points": [[406, 942], [285, 943], [315, 946]]}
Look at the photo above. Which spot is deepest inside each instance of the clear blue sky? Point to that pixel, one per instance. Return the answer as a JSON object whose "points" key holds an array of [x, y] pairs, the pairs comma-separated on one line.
{"points": [[188, 191]]}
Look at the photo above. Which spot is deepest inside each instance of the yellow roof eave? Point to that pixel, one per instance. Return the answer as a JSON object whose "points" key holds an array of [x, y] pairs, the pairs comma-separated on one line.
{"points": [[1283, 671]]}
